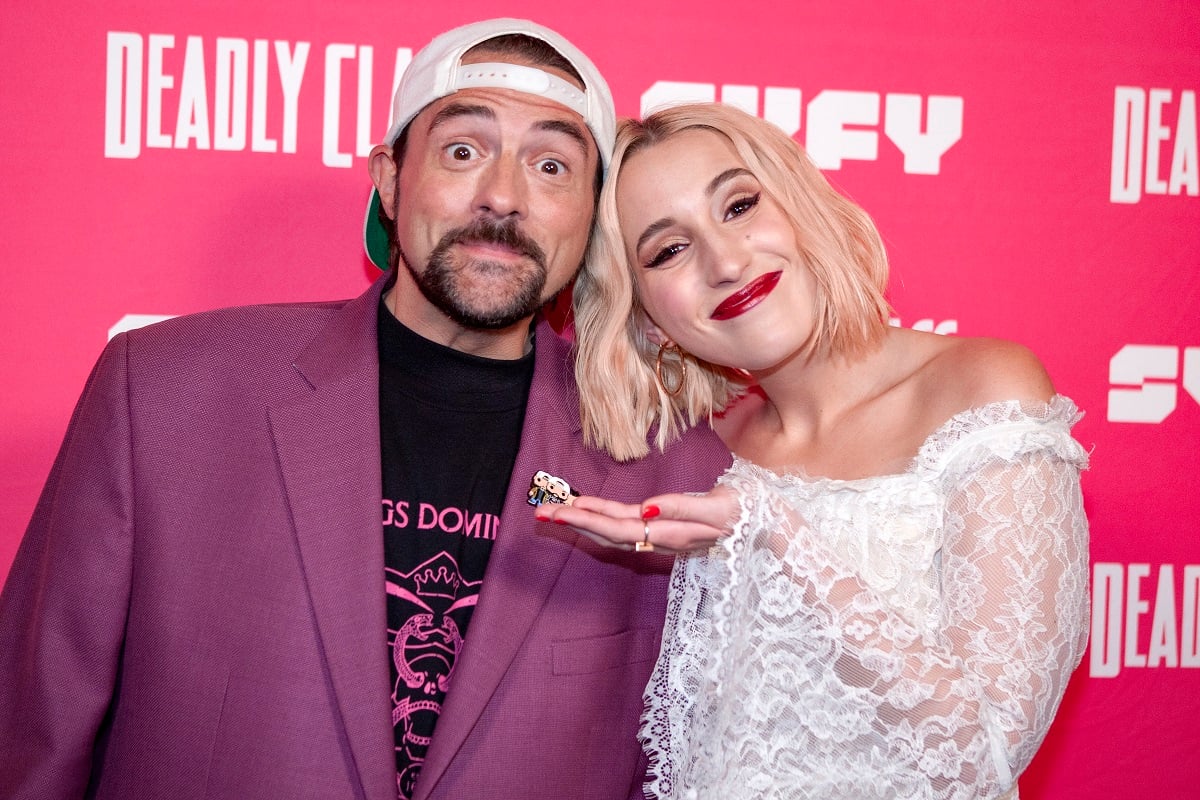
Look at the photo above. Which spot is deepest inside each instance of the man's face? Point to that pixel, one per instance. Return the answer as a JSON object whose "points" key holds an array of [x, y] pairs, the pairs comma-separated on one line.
{"points": [[493, 204], [558, 488]]}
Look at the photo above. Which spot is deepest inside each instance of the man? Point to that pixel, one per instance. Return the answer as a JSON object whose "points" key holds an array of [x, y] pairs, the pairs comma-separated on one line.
{"points": [[205, 605]]}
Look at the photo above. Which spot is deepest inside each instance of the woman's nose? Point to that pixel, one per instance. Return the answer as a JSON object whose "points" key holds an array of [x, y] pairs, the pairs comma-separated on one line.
{"points": [[728, 257]]}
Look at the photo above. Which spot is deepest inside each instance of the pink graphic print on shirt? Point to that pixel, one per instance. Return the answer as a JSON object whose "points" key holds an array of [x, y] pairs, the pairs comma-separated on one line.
{"points": [[425, 650]]}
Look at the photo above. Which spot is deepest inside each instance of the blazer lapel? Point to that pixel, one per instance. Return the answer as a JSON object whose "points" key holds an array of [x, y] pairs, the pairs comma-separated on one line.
{"points": [[327, 440], [525, 562]]}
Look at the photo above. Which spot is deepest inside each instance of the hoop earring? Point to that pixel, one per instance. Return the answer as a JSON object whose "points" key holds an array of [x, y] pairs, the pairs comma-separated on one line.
{"points": [[683, 368]]}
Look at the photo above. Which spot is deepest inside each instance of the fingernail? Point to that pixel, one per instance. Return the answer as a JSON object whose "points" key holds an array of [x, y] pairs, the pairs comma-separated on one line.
{"points": [[561, 521], [541, 518], [650, 512]]}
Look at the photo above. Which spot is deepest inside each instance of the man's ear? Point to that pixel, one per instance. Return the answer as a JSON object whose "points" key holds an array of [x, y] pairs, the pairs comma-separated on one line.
{"points": [[384, 175]]}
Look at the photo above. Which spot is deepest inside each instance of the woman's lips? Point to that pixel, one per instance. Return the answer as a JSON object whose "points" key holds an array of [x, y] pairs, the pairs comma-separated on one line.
{"points": [[747, 297]]}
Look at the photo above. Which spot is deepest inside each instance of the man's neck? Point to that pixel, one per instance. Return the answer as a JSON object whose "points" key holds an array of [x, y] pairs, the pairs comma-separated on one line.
{"points": [[511, 342]]}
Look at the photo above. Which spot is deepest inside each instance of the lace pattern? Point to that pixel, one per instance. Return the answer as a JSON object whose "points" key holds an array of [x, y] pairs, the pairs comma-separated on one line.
{"points": [[900, 636]]}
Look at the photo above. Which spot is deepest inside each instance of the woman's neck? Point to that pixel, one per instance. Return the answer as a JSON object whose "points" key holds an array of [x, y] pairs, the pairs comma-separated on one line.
{"points": [[835, 416]]}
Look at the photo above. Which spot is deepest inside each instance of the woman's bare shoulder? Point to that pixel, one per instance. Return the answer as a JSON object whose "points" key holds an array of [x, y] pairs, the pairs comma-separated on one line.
{"points": [[971, 372]]}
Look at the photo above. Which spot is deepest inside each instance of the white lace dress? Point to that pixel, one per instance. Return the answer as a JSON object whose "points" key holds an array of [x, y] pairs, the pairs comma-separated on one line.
{"points": [[901, 636]]}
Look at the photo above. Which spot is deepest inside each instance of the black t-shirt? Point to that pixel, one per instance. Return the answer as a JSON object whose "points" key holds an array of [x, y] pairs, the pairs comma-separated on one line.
{"points": [[450, 426]]}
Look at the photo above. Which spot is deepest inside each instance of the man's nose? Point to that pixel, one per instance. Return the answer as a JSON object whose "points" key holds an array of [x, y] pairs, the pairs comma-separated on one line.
{"points": [[503, 189]]}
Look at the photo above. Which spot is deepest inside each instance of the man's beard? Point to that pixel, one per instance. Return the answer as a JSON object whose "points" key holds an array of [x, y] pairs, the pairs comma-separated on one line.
{"points": [[441, 281]]}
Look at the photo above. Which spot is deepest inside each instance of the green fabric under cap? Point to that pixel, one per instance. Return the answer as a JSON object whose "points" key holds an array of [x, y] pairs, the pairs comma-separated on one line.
{"points": [[375, 237]]}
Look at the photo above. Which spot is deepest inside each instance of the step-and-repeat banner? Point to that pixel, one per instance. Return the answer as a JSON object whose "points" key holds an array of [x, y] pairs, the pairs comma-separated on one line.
{"points": [[1033, 168]]}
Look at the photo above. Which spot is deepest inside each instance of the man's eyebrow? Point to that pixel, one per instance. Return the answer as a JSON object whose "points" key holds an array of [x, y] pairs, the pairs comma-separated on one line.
{"points": [[566, 127], [452, 110], [710, 190]]}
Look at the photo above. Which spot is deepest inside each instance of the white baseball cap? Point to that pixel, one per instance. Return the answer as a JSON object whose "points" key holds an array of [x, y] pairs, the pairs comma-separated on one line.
{"points": [[436, 71]]}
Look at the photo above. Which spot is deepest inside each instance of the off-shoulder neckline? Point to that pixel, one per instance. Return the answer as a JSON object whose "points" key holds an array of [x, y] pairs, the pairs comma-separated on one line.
{"points": [[972, 419]]}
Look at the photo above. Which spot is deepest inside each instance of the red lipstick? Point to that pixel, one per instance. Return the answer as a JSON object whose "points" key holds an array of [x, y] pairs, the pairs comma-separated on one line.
{"points": [[747, 297]]}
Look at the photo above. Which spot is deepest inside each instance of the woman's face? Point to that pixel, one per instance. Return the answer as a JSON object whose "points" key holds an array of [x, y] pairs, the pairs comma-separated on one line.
{"points": [[716, 261]]}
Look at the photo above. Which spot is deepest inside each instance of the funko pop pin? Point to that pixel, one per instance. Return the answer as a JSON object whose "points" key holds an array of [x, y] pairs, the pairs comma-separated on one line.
{"points": [[547, 488]]}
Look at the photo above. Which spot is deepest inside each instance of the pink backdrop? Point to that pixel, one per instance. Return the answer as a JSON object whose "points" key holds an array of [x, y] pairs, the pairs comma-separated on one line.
{"points": [[1033, 168]]}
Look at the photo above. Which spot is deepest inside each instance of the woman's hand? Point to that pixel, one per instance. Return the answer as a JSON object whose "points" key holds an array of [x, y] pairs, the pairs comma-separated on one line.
{"points": [[671, 523]]}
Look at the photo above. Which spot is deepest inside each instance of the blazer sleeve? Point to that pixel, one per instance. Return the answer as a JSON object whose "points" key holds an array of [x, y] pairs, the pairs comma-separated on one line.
{"points": [[64, 604]]}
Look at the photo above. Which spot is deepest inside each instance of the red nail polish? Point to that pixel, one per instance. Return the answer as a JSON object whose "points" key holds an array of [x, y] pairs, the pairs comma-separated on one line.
{"points": [[561, 521], [651, 512], [541, 517]]}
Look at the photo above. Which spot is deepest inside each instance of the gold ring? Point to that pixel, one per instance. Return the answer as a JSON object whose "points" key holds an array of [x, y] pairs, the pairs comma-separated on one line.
{"points": [[644, 546]]}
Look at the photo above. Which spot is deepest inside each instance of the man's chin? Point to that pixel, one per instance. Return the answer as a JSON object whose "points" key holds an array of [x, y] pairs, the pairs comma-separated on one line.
{"points": [[478, 293], [491, 307], [503, 297], [489, 319], [497, 275]]}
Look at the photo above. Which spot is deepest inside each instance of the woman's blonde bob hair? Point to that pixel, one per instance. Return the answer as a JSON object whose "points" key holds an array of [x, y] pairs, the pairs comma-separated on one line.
{"points": [[621, 400]]}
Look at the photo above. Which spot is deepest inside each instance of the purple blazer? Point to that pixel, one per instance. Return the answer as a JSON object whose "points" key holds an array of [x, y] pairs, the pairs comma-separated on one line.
{"points": [[198, 608]]}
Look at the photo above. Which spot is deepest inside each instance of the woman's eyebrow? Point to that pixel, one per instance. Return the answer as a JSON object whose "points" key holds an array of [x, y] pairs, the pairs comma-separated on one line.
{"points": [[710, 190], [725, 176]]}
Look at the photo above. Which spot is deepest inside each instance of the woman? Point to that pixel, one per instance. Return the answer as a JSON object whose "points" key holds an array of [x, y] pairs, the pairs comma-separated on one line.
{"points": [[899, 588]]}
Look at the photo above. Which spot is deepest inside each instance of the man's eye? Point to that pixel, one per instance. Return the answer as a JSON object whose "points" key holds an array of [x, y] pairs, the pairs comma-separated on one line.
{"points": [[551, 166], [460, 152]]}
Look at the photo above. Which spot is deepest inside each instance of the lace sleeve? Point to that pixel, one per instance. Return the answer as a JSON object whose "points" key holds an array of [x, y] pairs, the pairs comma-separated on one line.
{"points": [[852, 696], [1015, 595]]}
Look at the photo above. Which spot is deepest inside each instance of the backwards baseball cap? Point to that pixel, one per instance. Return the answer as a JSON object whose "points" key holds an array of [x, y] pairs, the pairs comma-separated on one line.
{"points": [[436, 71]]}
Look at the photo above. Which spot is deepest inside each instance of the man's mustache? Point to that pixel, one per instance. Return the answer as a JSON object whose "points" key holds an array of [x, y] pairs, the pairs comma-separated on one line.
{"points": [[488, 231]]}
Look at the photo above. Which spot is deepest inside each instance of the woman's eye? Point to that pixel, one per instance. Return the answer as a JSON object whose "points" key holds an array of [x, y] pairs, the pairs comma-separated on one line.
{"points": [[742, 205], [461, 152], [666, 254], [551, 166]]}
